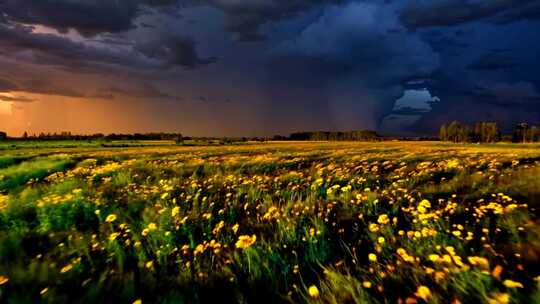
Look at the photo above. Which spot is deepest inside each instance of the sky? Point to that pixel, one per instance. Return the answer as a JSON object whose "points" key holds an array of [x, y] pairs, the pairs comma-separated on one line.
{"points": [[266, 67]]}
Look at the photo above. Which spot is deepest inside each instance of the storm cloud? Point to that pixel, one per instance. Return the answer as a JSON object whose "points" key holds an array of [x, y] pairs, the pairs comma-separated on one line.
{"points": [[278, 66]]}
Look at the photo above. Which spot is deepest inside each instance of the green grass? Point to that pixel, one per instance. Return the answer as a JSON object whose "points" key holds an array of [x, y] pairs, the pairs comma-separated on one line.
{"points": [[165, 223], [17, 175]]}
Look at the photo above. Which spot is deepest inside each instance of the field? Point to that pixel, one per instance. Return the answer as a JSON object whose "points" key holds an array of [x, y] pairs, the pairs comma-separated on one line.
{"points": [[391, 222]]}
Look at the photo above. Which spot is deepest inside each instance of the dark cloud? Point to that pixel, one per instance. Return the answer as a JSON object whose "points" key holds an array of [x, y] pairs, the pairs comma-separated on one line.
{"points": [[85, 16], [329, 63], [88, 17], [7, 85], [16, 98], [243, 18], [49, 49], [470, 111], [172, 50], [508, 93], [41, 86], [529, 10], [455, 12], [160, 2], [364, 66], [492, 61], [143, 90]]}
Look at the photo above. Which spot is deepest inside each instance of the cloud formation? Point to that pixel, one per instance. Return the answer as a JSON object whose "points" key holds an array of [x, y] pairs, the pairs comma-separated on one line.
{"points": [[302, 64], [431, 13]]}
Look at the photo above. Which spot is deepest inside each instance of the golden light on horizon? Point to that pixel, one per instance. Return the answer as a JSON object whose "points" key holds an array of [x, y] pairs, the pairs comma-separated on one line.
{"points": [[5, 106]]}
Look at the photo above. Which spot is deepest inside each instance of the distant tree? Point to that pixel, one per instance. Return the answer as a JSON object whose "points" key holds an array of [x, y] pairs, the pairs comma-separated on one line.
{"points": [[520, 132], [454, 131], [179, 139], [25, 135], [443, 134], [534, 134], [482, 132], [3, 135]]}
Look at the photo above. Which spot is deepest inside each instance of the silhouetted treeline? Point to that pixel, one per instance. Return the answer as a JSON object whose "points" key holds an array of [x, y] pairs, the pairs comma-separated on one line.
{"points": [[525, 133], [99, 136], [177, 137], [146, 136], [486, 132], [363, 135]]}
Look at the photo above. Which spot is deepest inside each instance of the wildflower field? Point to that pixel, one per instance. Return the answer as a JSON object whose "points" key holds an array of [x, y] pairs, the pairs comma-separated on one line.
{"points": [[390, 222]]}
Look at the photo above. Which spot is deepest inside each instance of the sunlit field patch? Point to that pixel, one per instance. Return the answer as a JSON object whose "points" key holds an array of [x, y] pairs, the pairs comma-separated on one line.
{"points": [[278, 222]]}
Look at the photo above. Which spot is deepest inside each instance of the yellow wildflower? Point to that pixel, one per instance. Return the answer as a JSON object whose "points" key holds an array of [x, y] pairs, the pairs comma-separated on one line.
{"points": [[499, 298], [383, 219], [372, 257], [145, 232], [66, 268], [113, 236], [245, 241], [110, 218], [199, 249], [423, 293], [3, 280], [175, 211], [313, 291], [512, 284]]}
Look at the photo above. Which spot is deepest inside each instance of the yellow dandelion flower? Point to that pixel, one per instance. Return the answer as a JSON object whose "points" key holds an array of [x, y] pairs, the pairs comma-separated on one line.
{"points": [[113, 236], [499, 298], [199, 249], [373, 227], [366, 284], [245, 241], [383, 219], [138, 301], [66, 268], [175, 211], [145, 232], [479, 261], [313, 291], [235, 228], [110, 218], [512, 284], [423, 293], [433, 257], [372, 257]]}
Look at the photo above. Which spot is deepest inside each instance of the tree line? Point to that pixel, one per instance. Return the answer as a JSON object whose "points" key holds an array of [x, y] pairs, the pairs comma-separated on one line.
{"points": [[487, 132], [98, 136], [363, 135]]}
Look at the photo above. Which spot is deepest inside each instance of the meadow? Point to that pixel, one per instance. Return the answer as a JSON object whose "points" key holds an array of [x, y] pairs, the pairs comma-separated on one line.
{"points": [[306, 222]]}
